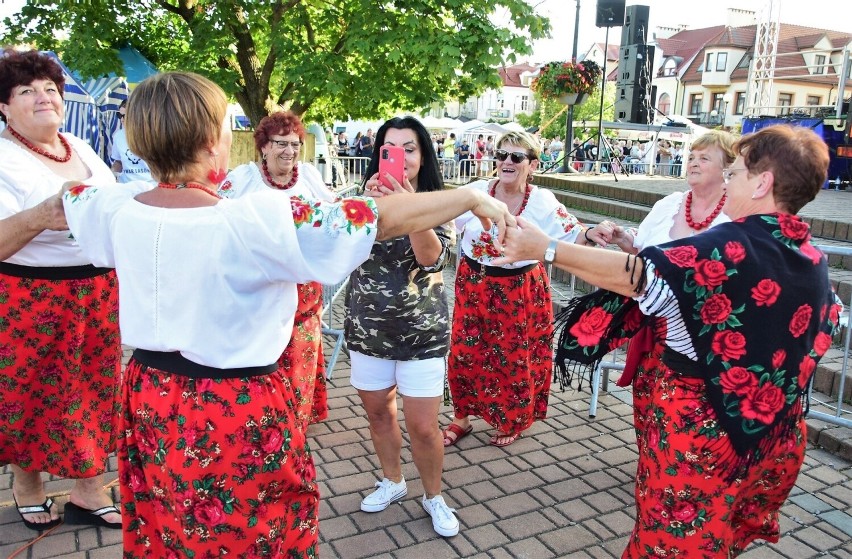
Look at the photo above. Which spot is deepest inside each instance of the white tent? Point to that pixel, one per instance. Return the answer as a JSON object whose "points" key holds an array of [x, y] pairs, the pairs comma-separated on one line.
{"points": [[81, 110], [108, 93]]}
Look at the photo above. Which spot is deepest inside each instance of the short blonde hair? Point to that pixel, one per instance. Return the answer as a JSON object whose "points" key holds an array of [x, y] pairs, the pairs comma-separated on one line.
{"points": [[523, 139], [723, 141], [171, 117]]}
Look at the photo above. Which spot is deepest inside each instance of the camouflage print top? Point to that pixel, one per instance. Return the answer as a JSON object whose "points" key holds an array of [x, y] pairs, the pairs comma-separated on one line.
{"points": [[397, 309]]}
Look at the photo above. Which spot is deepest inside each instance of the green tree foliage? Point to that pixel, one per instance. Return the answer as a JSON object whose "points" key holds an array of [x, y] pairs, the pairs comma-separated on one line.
{"points": [[551, 116], [324, 59]]}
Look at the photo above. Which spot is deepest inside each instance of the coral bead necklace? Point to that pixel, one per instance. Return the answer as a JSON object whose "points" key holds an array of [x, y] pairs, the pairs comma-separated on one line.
{"points": [[520, 209], [276, 184], [32, 147], [709, 219], [195, 185]]}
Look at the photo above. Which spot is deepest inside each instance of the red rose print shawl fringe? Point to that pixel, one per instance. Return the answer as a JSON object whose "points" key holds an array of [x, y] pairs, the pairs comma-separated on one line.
{"points": [[758, 308]]}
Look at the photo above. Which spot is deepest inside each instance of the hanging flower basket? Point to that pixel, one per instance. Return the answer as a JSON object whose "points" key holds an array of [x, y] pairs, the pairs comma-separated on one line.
{"points": [[573, 98], [563, 80]]}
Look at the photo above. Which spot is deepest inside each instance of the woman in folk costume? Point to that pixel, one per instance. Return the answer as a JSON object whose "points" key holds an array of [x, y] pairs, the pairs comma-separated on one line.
{"points": [[750, 312], [279, 138], [60, 352], [213, 460], [501, 360]]}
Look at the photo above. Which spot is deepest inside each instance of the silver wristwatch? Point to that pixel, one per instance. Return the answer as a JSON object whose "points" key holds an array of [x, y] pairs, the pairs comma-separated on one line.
{"points": [[550, 252]]}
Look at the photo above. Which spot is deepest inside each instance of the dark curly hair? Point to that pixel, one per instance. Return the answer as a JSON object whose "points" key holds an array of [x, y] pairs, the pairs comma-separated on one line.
{"points": [[283, 123], [23, 68], [429, 178]]}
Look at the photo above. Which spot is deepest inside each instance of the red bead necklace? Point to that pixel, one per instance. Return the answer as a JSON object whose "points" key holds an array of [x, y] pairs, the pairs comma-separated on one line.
{"points": [[520, 209], [195, 185], [276, 184], [30, 146], [709, 219]]}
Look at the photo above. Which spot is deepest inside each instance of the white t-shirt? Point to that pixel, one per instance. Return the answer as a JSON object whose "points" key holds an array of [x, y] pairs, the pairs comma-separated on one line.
{"points": [[217, 283], [133, 168], [25, 182], [656, 228], [542, 209]]}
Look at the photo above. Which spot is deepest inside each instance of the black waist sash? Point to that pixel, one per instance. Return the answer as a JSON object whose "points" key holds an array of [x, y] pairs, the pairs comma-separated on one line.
{"points": [[496, 271], [52, 272], [680, 363], [174, 362]]}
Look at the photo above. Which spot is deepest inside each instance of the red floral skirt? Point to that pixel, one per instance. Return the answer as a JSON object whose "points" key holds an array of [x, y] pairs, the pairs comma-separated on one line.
{"points": [[210, 468], [303, 358], [684, 506], [501, 356], [60, 367]]}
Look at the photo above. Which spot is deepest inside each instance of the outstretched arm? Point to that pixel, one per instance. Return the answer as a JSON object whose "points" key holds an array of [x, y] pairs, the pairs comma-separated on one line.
{"points": [[606, 269], [404, 213]]}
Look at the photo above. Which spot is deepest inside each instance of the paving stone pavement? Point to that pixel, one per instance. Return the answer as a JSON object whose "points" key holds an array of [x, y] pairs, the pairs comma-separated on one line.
{"points": [[565, 489]]}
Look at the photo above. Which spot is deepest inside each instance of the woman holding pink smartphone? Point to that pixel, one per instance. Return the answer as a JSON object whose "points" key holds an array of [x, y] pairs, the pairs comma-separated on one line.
{"points": [[397, 327]]}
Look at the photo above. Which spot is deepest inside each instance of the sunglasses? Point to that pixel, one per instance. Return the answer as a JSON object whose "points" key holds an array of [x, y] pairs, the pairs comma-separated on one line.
{"points": [[121, 116], [284, 143], [517, 157]]}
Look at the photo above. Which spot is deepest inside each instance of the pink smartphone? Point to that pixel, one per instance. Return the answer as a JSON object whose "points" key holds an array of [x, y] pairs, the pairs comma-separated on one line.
{"points": [[391, 161]]}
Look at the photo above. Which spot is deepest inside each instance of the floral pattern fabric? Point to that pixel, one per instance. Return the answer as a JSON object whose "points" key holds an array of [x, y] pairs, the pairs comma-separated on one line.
{"points": [[213, 468], [60, 365], [501, 361]]}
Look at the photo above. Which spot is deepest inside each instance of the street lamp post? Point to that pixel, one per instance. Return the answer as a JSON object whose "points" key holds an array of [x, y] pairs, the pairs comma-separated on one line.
{"points": [[726, 100], [569, 126]]}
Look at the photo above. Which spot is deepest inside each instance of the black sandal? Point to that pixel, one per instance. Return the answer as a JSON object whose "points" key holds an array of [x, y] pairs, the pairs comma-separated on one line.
{"points": [[77, 515], [36, 509]]}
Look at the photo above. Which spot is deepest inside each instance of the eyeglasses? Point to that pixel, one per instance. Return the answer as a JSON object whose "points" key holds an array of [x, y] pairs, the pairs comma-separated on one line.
{"points": [[121, 116], [517, 157], [284, 143], [728, 174]]}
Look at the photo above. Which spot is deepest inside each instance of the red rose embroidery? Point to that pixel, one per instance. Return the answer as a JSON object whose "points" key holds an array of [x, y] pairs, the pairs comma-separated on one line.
{"points": [[209, 512], [811, 252], [778, 358], [764, 403], [765, 293], [734, 251], [590, 328], [710, 273], [78, 189], [800, 320], [738, 381], [792, 227], [728, 345], [683, 256], [822, 343], [806, 369], [684, 512], [716, 309], [834, 314], [358, 211], [302, 211]]}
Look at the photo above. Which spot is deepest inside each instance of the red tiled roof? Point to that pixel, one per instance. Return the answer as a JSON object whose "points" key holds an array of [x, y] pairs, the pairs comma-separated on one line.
{"points": [[511, 75]]}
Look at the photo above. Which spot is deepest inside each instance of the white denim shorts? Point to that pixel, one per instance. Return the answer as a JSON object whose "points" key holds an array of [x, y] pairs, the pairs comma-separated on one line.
{"points": [[422, 378]]}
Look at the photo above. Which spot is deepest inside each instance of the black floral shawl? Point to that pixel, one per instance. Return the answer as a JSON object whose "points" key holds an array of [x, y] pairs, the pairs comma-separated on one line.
{"points": [[758, 308]]}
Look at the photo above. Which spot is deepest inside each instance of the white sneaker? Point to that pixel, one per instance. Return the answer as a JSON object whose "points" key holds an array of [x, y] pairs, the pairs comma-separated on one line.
{"points": [[443, 520], [387, 492]]}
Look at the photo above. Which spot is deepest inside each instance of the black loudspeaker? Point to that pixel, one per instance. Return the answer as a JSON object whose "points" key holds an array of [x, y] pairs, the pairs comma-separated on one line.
{"points": [[635, 28], [635, 62], [610, 13], [634, 95]]}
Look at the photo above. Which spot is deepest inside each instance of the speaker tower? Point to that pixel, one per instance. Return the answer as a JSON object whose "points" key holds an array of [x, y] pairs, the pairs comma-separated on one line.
{"points": [[609, 13]]}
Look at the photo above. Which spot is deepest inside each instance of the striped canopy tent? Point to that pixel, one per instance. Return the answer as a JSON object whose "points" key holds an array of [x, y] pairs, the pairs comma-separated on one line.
{"points": [[108, 93], [81, 110]]}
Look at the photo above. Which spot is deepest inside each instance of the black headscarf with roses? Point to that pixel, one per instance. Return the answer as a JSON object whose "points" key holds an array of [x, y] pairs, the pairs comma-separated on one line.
{"points": [[759, 311]]}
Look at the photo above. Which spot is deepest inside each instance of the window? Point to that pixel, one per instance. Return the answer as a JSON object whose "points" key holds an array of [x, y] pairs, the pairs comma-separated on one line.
{"points": [[709, 65], [784, 102], [739, 105], [695, 103], [665, 104], [670, 68], [820, 64], [524, 103], [717, 102], [721, 61], [813, 100]]}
